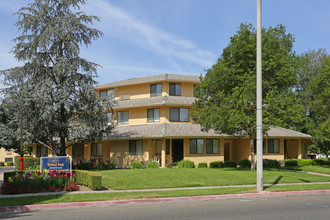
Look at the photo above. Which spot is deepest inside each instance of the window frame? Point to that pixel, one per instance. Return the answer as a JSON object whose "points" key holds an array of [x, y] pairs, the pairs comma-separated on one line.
{"points": [[196, 150], [175, 89], [133, 147], [107, 93], [272, 142], [121, 117], [179, 114], [155, 87], [97, 153], [213, 147], [153, 115]]}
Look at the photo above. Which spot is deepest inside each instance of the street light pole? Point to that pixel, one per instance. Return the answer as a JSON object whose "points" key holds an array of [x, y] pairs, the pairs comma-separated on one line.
{"points": [[259, 102]]}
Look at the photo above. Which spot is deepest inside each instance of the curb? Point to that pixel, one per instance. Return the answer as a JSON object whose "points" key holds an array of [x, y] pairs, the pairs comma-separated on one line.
{"points": [[158, 200]]}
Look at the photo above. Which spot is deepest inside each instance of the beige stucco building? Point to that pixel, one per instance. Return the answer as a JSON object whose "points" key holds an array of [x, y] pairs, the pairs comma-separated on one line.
{"points": [[152, 120]]}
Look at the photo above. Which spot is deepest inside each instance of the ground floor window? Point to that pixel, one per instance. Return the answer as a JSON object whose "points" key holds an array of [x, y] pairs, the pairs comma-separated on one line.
{"points": [[167, 147], [42, 151], [77, 150], [135, 147], [196, 146], [158, 147], [263, 146], [212, 146], [273, 145], [97, 149]]}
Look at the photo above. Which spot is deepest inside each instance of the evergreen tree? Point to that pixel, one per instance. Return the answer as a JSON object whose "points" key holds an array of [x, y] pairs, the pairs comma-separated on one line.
{"points": [[55, 86], [226, 99]]}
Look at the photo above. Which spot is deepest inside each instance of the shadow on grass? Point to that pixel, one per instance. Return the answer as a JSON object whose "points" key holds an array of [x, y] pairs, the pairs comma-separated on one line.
{"points": [[274, 183]]}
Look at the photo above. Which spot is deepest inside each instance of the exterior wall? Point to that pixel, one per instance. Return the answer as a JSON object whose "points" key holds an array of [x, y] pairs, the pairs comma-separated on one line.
{"points": [[241, 149], [187, 88], [7, 155], [119, 153], [292, 148]]}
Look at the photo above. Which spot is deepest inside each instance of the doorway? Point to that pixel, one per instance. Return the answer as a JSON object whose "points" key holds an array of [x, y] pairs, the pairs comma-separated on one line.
{"points": [[227, 151], [177, 150], [78, 151]]}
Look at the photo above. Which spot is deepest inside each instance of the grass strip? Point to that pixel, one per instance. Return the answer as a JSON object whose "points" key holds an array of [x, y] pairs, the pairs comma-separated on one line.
{"points": [[317, 169], [143, 195]]}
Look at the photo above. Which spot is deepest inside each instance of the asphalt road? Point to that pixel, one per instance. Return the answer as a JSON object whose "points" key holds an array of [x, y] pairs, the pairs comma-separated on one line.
{"points": [[279, 207]]}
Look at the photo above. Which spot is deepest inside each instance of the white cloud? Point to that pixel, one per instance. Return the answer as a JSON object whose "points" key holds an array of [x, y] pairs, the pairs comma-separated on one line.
{"points": [[121, 25]]}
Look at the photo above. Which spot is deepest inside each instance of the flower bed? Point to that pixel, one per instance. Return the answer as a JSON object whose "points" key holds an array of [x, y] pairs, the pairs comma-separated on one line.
{"points": [[94, 164], [35, 181]]}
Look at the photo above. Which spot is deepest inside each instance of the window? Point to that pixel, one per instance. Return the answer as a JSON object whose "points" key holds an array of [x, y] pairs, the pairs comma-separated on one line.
{"points": [[175, 89], [212, 146], [156, 89], [273, 145], [158, 147], [42, 151], [8, 159], [263, 146], [109, 117], [153, 115], [77, 150], [135, 147], [179, 114], [167, 146], [122, 117], [196, 146], [97, 149], [110, 93]]}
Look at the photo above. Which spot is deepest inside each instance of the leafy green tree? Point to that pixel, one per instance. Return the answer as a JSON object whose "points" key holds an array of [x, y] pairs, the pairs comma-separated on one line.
{"points": [[314, 90], [313, 149], [226, 98], [55, 86]]}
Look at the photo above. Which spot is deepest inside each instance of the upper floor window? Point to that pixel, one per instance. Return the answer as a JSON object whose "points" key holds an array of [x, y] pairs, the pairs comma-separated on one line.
{"points": [[153, 115], [109, 117], [97, 149], [135, 147], [156, 89], [122, 117], [175, 89], [196, 146], [212, 146], [110, 93], [179, 114], [273, 145]]}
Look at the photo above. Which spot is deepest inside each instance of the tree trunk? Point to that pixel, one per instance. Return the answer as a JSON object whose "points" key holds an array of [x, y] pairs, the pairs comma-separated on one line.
{"points": [[253, 161], [62, 132]]}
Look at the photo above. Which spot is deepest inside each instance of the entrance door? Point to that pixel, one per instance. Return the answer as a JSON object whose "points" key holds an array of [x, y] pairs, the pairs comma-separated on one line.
{"points": [[227, 152], [78, 151], [177, 150]]}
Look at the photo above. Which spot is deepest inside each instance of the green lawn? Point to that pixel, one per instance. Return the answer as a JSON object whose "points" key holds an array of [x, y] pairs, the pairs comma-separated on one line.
{"points": [[155, 194], [316, 169], [121, 179]]}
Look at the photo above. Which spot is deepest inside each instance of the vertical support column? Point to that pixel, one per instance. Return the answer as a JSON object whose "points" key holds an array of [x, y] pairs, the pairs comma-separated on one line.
{"points": [[163, 160], [299, 153], [222, 148]]}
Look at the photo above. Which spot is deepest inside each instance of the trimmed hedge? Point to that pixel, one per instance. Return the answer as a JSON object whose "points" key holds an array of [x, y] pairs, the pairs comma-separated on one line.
{"points": [[28, 163], [291, 163], [230, 163], [10, 164], [2, 164], [273, 164], [92, 180], [217, 164], [202, 165], [245, 163], [186, 164]]}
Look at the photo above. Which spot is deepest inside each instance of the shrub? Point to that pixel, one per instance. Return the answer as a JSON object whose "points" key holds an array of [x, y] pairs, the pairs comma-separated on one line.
{"points": [[29, 163], [230, 163], [136, 165], [93, 164], [10, 164], [92, 180], [2, 164], [202, 165], [152, 164], [245, 163], [291, 163], [272, 164], [305, 162], [186, 164], [217, 164], [170, 163]]}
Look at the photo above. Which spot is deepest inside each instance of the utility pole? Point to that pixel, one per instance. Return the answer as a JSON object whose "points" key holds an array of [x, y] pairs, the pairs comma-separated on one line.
{"points": [[259, 102]]}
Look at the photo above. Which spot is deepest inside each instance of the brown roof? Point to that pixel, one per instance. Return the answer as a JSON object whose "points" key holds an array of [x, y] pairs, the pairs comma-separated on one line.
{"points": [[155, 101], [149, 79], [184, 130]]}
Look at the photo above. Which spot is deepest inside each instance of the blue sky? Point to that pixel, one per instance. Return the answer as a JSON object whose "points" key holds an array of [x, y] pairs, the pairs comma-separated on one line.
{"points": [[149, 37]]}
